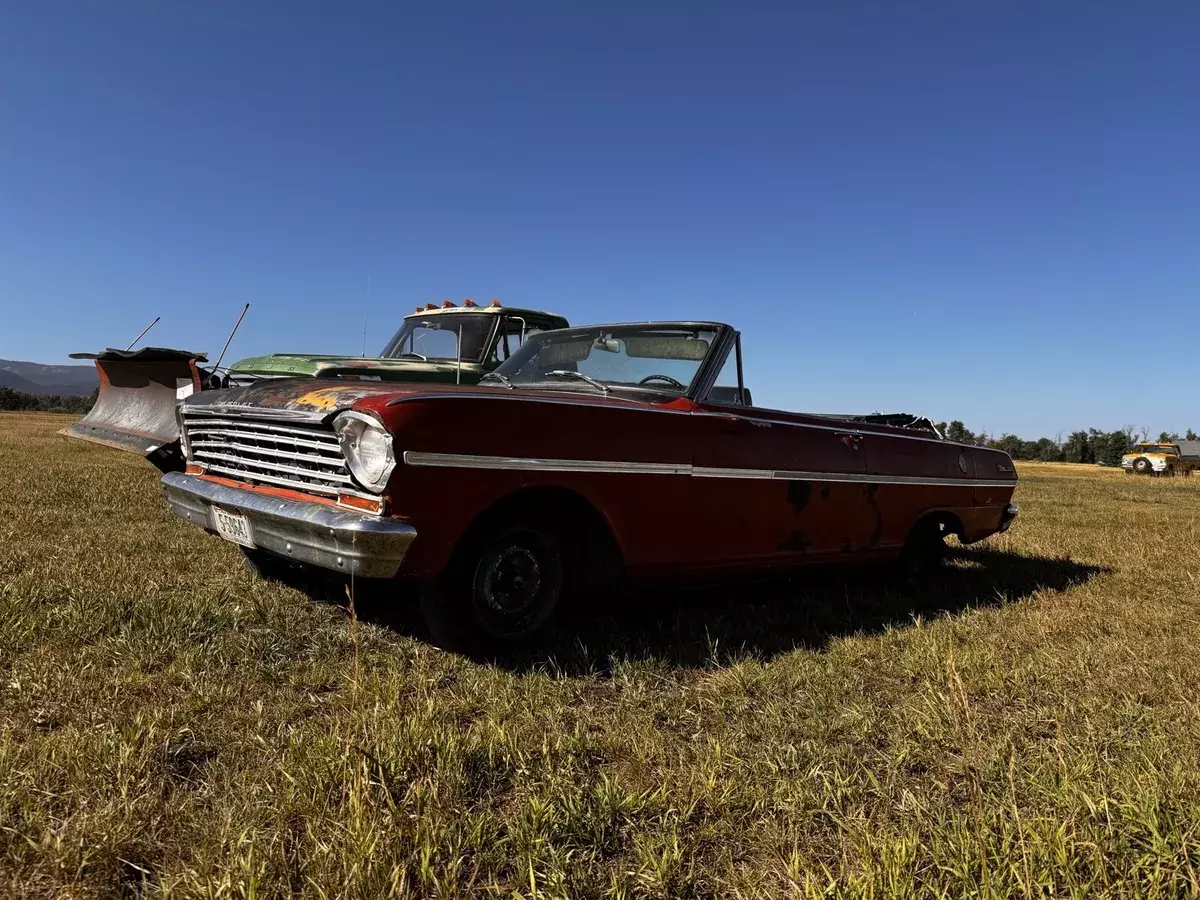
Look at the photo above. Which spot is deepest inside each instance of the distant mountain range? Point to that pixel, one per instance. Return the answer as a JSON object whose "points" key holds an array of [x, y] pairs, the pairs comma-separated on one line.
{"points": [[43, 380]]}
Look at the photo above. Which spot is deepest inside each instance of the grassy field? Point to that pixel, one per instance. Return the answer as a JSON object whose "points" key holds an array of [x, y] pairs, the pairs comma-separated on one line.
{"points": [[170, 726]]}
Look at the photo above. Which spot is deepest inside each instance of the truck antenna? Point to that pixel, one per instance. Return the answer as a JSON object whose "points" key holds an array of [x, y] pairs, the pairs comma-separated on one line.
{"points": [[366, 300], [143, 334], [236, 325]]}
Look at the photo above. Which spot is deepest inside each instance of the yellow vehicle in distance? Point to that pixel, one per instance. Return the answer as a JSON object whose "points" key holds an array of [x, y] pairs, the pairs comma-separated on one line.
{"points": [[1162, 458]]}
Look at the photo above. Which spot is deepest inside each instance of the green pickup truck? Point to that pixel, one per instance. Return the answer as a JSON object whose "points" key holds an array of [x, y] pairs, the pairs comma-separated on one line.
{"points": [[426, 348], [450, 344]]}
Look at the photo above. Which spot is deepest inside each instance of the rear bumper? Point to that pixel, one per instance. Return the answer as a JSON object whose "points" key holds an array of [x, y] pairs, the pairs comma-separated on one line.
{"points": [[310, 533], [1008, 516]]}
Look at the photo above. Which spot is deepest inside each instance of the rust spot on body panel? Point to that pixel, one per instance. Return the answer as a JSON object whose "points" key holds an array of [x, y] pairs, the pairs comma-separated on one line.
{"points": [[798, 494]]}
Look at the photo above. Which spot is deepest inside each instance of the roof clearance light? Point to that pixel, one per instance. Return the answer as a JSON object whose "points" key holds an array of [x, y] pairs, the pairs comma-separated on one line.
{"points": [[495, 303], [446, 304], [418, 309], [431, 306], [469, 302]]}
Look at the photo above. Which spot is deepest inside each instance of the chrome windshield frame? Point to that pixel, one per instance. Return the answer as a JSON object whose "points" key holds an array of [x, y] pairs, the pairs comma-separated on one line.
{"points": [[728, 340], [706, 372]]}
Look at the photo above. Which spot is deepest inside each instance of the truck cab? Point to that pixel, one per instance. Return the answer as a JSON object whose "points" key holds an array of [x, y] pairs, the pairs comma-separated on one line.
{"points": [[446, 344]]}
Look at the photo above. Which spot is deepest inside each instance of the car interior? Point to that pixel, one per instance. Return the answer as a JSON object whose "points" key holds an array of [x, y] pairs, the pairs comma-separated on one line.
{"points": [[728, 396]]}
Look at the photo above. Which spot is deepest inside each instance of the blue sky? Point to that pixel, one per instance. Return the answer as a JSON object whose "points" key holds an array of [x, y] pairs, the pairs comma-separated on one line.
{"points": [[983, 211]]}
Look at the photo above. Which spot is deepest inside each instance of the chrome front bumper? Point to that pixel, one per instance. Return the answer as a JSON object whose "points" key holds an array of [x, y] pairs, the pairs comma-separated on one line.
{"points": [[1006, 520], [310, 533]]}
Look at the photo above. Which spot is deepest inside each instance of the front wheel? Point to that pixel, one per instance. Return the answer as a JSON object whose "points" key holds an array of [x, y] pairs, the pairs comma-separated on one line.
{"points": [[1142, 465], [499, 592]]}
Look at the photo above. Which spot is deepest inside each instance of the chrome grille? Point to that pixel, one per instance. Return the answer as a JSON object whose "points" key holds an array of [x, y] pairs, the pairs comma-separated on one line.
{"points": [[294, 455]]}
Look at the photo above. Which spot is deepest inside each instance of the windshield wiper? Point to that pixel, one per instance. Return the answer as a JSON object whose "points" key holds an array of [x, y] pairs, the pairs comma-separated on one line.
{"points": [[503, 379], [570, 373], [417, 355]]}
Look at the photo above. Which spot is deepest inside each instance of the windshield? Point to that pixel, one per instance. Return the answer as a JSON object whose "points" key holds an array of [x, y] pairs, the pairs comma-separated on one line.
{"points": [[436, 337], [1158, 448], [654, 357]]}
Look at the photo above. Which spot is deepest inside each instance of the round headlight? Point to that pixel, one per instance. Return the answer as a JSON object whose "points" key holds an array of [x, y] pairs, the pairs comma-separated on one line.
{"points": [[367, 446]]}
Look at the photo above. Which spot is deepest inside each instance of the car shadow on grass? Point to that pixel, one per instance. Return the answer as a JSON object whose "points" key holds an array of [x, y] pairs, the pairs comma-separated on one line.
{"points": [[718, 623], [714, 624]]}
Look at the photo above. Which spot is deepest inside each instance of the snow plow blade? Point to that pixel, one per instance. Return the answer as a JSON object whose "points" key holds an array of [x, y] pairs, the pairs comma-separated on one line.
{"points": [[135, 406]]}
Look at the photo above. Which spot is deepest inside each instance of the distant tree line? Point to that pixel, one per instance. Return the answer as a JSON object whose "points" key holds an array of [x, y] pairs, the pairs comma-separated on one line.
{"points": [[20, 401], [1092, 446]]}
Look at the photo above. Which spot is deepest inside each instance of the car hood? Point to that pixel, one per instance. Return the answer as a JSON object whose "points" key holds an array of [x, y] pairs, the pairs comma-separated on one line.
{"points": [[325, 366], [316, 399], [290, 398]]}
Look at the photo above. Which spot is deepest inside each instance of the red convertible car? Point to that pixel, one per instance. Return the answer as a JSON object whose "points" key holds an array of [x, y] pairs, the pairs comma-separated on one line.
{"points": [[591, 454]]}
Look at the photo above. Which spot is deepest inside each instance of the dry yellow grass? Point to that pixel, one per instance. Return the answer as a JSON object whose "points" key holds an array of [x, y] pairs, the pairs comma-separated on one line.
{"points": [[169, 726]]}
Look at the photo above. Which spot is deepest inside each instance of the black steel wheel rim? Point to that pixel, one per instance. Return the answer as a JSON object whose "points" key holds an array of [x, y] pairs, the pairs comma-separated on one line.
{"points": [[517, 583]]}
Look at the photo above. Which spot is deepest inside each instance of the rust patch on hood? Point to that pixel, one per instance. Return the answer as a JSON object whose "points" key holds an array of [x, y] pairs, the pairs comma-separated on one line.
{"points": [[303, 397], [322, 399]]}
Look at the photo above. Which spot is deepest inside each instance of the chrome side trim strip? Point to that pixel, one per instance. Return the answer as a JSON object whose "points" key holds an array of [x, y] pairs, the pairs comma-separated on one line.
{"points": [[525, 464], [845, 477], [517, 463], [725, 472]]}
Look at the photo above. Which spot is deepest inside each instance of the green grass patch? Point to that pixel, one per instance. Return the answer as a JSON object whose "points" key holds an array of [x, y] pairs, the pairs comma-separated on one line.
{"points": [[170, 726]]}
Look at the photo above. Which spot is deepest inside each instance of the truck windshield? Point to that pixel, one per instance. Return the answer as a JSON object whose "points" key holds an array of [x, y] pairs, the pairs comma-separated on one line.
{"points": [[436, 337], [656, 357]]}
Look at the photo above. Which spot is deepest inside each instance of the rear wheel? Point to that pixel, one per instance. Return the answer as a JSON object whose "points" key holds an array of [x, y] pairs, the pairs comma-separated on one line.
{"points": [[925, 549], [500, 590]]}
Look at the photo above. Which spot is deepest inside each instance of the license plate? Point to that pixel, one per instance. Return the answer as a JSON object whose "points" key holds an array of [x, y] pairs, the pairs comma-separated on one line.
{"points": [[233, 527]]}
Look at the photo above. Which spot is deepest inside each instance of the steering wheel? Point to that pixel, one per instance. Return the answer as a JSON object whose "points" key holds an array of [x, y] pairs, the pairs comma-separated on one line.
{"points": [[667, 378]]}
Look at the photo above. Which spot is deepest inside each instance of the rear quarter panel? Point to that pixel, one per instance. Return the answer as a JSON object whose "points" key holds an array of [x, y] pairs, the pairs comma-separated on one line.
{"points": [[974, 483], [940, 477], [996, 483]]}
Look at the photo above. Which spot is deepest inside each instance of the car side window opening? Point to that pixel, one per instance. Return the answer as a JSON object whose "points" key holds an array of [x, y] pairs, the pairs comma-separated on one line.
{"points": [[725, 389]]}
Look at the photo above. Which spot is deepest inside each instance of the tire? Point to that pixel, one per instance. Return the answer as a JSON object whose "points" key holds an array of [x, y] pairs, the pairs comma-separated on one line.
{"points": [[1142, 466], [924, 549], [499, 591]]}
